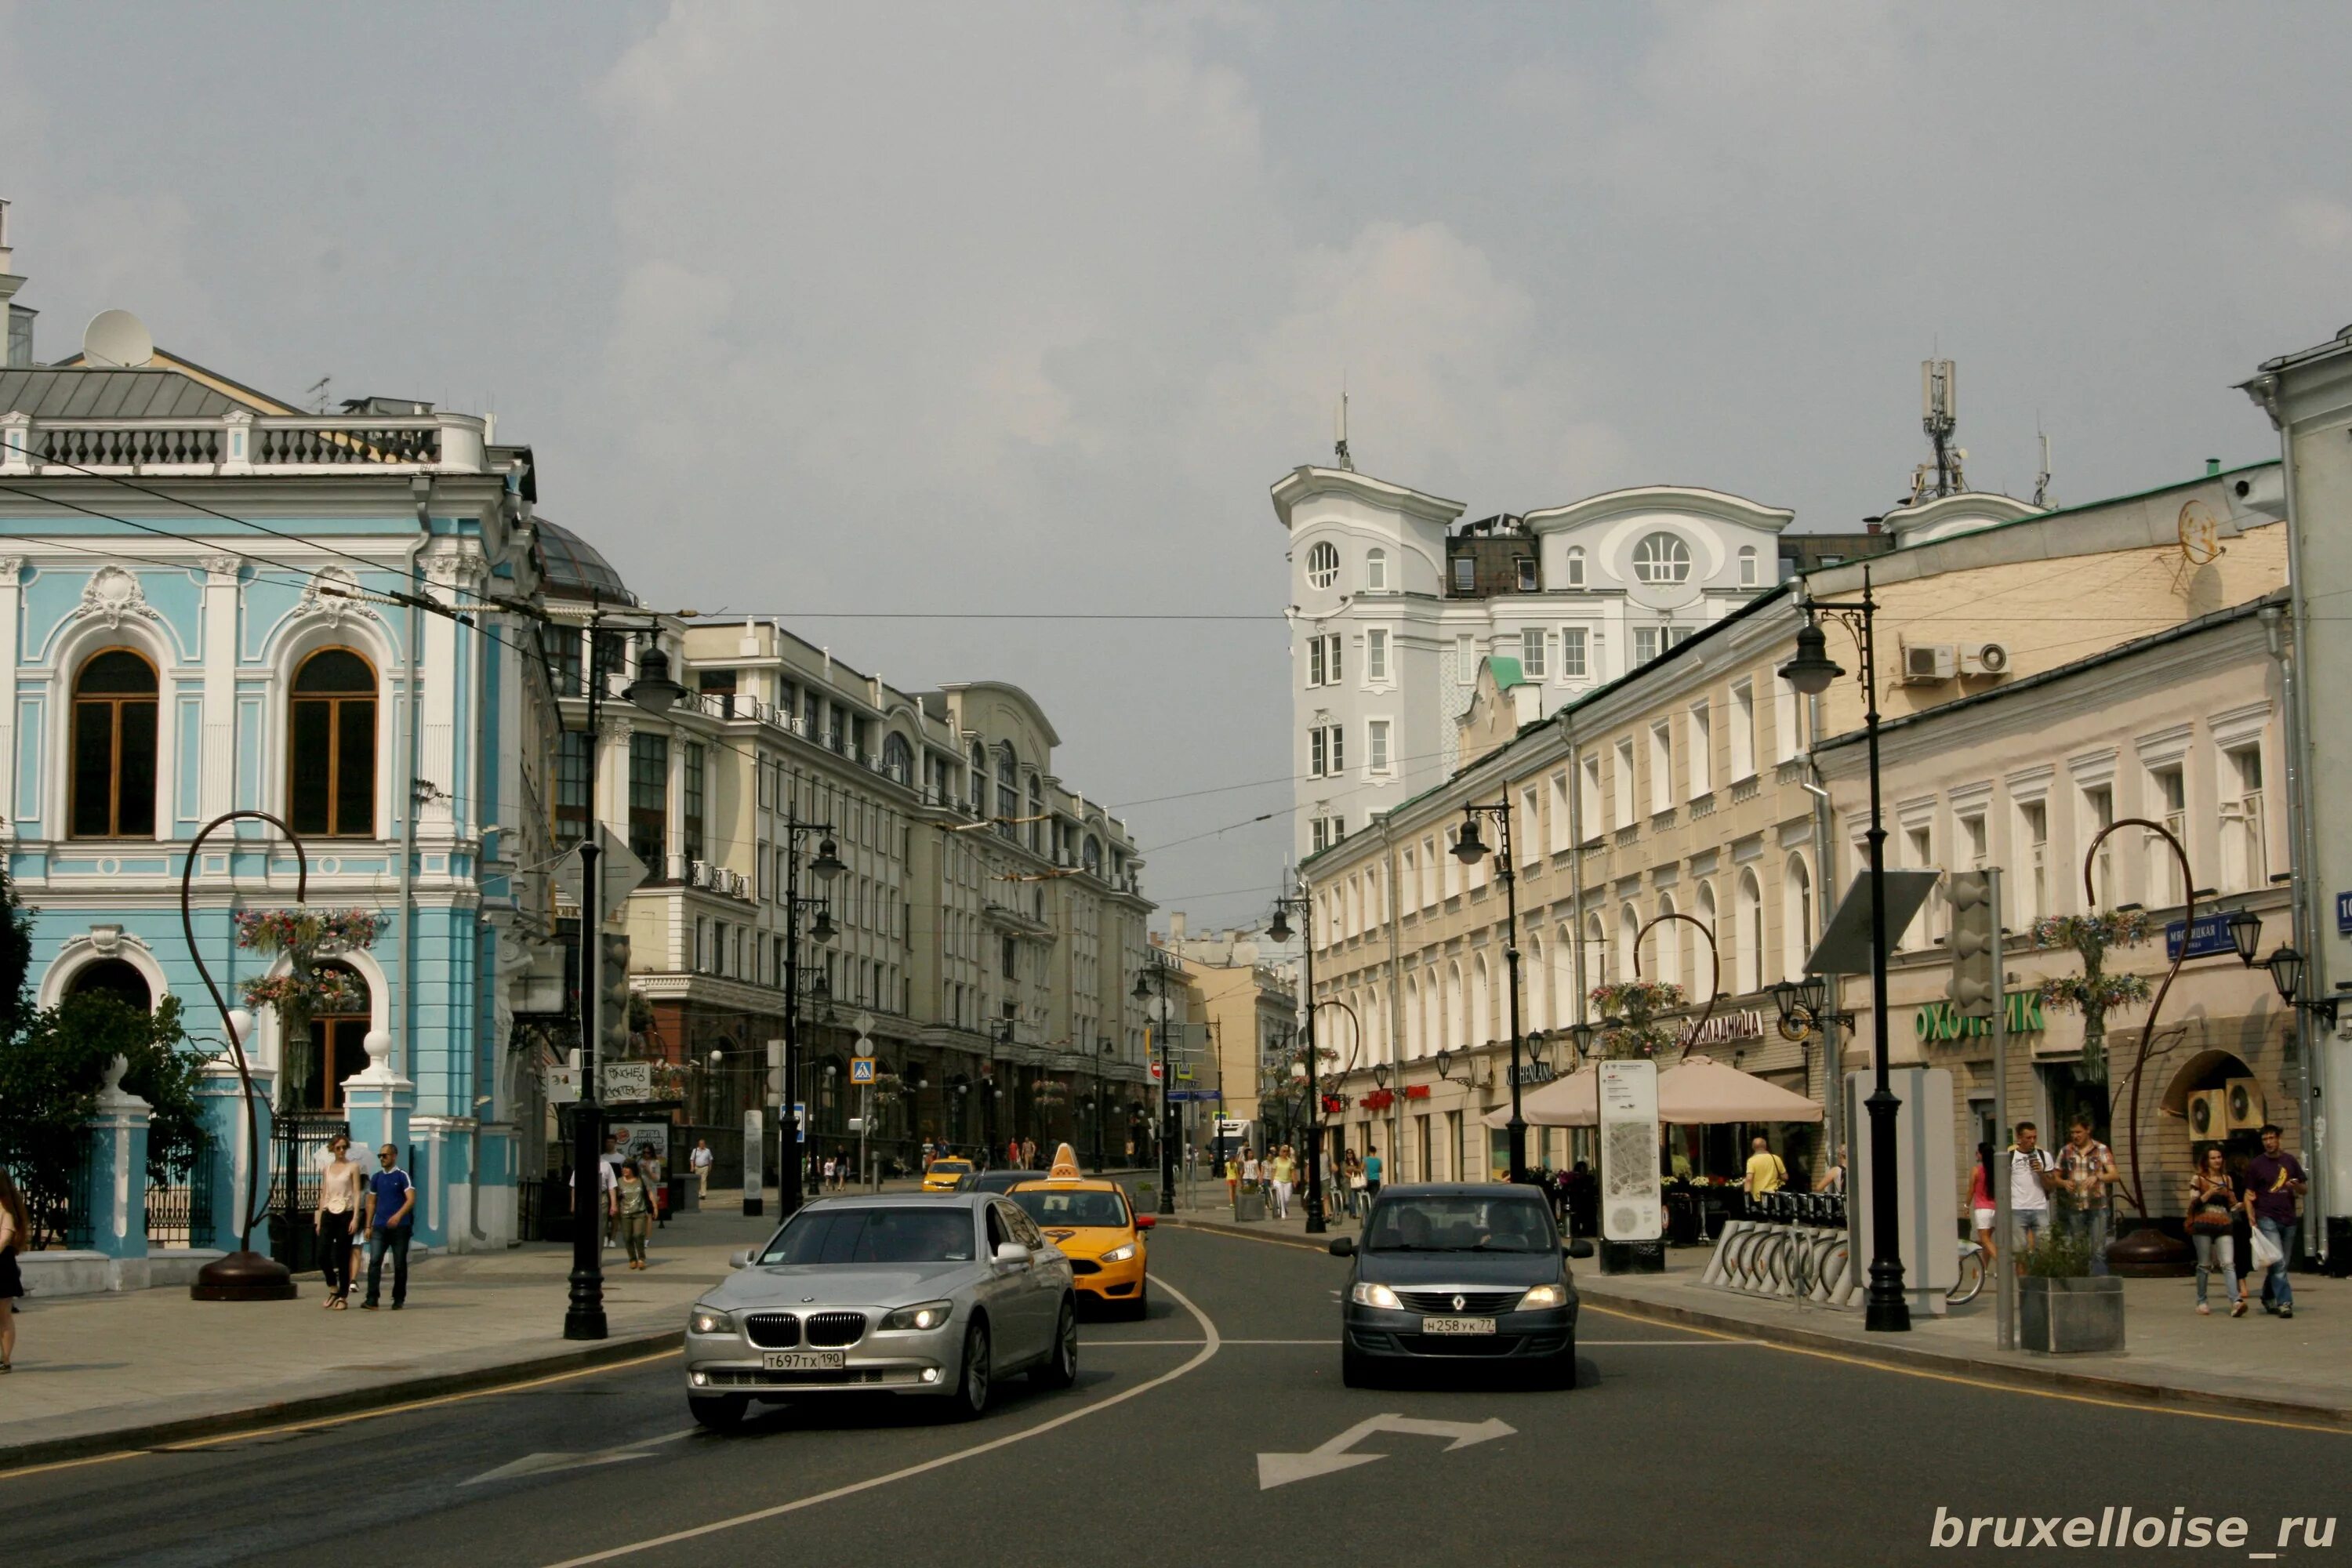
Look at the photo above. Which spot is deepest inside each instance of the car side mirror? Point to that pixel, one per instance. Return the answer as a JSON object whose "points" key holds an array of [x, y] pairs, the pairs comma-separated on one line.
{"points": [[1343, 1247], [1579, 1249], [1146, 1221], [1011, 1252], [739, 1258]]}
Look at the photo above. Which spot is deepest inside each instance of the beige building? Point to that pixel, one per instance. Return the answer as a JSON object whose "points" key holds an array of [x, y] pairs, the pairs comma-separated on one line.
{"points": [[1249, 1006], [1672, 819]]}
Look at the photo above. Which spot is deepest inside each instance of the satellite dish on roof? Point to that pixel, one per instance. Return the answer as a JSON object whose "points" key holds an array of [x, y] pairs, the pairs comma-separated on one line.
{"points": [[117, 339]]}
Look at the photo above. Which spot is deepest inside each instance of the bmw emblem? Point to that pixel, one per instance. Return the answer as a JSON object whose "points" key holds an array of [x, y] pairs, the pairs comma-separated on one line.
{"points": [[1459, 1303]]}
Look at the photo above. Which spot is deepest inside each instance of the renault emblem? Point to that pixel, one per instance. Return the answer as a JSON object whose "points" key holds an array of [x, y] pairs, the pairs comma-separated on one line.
{"points": [[1459, 1303]]}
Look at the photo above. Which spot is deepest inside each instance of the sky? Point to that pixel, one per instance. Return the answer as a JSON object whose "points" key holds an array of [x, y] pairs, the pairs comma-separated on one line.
{"points": [[864, 316]]}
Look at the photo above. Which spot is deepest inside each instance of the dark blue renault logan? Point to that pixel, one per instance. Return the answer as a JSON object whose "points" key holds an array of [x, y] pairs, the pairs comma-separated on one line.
{"points": [[1460, 1273]]}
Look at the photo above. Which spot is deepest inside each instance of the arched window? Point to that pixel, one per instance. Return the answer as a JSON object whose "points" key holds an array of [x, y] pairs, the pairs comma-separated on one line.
{"points": [[1432, 1023], [1669, 950], [1376, 571], [1567, 1007], [1037, 813], [1596, 953], [114, 747], [1532, 966], [316, 1067], [1662, 558], [1090, 854], [1008, 787], [1748, 566], [330, 788], [1322, 565], [1628, 926], [1411, 1015], [1797, 915], [1457, 1023], [1482, 1004], [898, 758], [1576, 566], [1748, 933], [976, 779], [113, 977]]}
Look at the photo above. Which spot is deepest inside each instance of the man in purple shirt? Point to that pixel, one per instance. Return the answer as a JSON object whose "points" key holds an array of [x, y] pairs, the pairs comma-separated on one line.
{"points": [[2275, 1179]]}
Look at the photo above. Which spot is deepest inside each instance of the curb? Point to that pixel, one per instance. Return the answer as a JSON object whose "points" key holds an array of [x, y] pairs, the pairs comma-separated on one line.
{"points": [[162, 1434], [2091, 1385]]}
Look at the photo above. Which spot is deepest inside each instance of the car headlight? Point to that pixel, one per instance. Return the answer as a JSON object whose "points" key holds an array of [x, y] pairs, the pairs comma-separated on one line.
{"points": [[1367, 1294], [1120, 1254], [927, 1315], [1543, 1296], [710, 1320]]}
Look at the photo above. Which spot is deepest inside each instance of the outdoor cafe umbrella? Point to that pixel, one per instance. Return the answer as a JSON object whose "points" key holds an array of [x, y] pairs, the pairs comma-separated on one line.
{"points": [[1696, 1092]]}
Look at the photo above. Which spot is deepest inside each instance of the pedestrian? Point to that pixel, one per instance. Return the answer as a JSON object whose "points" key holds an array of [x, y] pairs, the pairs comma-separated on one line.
{"points": [[2274, 1179], [1766, 1173], [1371, 1174], [391, 1222], [634, 1201], [611, 1179], [2032, 1174], [1028, 1153], [1833, 1179], [828, 1175], [2211, 1196], [2086, 1169], [15, 1224], [1981, 1211], [337, 1220], [1283, 1169], [656, 1178], [1253, 1169], [1233, 1179], [700, 1161]]}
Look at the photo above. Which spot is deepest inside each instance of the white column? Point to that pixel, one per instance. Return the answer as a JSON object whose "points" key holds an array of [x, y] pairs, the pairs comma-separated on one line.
{"points": [[11, 568], [216, 787]]}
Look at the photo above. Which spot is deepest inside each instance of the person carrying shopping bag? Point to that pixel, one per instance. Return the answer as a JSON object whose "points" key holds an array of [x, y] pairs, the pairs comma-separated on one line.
{"points": [[2211, 1197]]}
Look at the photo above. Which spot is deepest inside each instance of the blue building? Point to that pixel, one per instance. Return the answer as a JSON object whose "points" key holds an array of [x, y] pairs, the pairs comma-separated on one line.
{"points": [[209, 601]]}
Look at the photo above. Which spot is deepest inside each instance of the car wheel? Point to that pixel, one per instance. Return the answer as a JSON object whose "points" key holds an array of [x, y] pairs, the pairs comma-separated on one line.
{"points": [[1561, 1373], [974, 1378], [719, 1412], [1060, 1369], [1140, 1308], [1355, 1368]]}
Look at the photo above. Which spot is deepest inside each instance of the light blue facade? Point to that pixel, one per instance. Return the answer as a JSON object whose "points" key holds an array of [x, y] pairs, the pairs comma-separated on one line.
{"points": [[335, 520]]}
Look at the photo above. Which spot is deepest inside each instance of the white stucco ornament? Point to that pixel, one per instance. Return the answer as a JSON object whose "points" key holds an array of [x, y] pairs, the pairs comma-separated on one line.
{"points": [[334, 594], [113, 595]]}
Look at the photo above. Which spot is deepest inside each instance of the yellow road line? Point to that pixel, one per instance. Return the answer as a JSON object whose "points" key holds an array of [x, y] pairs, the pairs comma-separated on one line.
{"points": [[343, 1420]]}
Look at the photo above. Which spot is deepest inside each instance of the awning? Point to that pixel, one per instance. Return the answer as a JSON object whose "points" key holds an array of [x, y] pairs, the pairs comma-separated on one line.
{"points": [[1697, 1091]]}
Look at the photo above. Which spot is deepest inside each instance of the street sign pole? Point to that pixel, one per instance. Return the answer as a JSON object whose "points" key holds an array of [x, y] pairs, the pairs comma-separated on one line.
{"points": [[2004, 1283]]}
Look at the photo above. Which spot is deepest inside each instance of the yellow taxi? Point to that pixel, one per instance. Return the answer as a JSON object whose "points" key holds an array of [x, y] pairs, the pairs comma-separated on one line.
{"points": [[946, 1175], [1096, 1227]]}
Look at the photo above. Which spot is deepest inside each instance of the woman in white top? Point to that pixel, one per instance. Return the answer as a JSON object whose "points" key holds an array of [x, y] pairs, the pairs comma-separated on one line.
{"points": [[339, 1186]]}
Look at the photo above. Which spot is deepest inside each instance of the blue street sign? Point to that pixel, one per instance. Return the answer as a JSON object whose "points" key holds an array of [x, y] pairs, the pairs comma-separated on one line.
{"points": [[800, 1121], [861, 1069], [2211, 936], [1204, 1094], [2343, 914]]}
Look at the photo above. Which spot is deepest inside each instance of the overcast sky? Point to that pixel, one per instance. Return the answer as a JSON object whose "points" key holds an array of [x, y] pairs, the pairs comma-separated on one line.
{"points": [[935, 308]]}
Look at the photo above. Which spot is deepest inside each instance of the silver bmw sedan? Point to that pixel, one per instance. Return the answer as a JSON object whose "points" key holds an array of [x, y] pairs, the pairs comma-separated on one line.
{"points": [[926, 1294]]}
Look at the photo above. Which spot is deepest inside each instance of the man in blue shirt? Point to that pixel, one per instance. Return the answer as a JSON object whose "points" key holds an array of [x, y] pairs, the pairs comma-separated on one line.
{"points": [[392, 1210]]}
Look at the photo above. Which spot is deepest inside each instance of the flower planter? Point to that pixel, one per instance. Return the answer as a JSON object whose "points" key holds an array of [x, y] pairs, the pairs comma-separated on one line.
{"points": [[2071, 1317]]}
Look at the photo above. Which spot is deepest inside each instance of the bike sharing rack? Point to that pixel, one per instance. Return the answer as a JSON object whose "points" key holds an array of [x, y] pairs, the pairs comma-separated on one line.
{"points": [[1799, 1251]]}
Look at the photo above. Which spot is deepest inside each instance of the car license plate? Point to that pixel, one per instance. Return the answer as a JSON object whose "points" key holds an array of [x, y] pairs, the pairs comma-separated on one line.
{"points": [[803, 1360], [1457, 1325]]}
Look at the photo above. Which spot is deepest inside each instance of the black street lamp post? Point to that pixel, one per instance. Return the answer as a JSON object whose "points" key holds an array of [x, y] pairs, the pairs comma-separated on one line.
{"points": [[824, 867], [1470, 849], [1811, 671], [1279, 930], [1143, 992]]}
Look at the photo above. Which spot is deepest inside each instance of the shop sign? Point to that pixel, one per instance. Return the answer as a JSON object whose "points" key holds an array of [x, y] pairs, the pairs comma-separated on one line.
{"points": [[1938, 1021], [1536, 1072], [1334, 1102], [1416, 1092], [2209, 935], [1725, 1027], [1379, 1100]]}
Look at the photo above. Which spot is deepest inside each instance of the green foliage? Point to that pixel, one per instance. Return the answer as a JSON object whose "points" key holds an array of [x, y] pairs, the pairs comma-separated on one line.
{"points": [[68, 1052], [2062, 1254]]}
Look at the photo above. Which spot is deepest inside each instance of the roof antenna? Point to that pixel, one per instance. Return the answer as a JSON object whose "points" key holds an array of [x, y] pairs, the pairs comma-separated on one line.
{"points": [[1939, 416], [317, 394], [2041, 479], [1340, 447]]}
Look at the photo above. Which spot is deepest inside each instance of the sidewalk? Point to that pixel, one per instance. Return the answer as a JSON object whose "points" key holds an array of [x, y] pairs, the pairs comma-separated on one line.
{"points": [[2256, 1365], [152, 1366]]}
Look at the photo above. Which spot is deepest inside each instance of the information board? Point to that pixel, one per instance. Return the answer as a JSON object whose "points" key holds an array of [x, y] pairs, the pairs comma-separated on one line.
{"points": [[1632, 1207]]}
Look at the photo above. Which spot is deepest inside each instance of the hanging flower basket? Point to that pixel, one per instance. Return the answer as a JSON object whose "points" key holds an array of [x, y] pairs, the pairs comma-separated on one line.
{"points": [[2094, 993], [305, 991], [319, 932], [1632, 1006]]}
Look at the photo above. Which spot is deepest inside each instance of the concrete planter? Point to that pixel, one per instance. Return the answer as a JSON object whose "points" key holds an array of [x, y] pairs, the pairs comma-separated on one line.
{"points": [[2071, 1317], [1249, 1205]]}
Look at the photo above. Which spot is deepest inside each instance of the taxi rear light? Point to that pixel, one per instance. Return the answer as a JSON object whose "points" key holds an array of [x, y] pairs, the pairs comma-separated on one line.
{"points": [[1146, 1221]]}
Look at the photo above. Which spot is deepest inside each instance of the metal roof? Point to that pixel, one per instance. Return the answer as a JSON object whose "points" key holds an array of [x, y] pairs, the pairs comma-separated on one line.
{"points": [[574, 570], [46, 392]]}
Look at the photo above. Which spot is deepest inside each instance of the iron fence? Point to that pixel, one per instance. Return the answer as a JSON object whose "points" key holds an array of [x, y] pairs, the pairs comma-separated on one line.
{"points": [[298, 1141], [52, 1170], [180, 1207]]}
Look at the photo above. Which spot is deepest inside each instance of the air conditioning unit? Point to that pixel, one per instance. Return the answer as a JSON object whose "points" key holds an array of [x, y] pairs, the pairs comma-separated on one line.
{"points": [[1927, 663], [2207, 1122], [2245, 1109], [1985, 658]]}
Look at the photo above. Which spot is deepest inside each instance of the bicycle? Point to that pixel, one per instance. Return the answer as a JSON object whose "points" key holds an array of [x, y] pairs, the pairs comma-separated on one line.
{"points": [[1972, 1274]]}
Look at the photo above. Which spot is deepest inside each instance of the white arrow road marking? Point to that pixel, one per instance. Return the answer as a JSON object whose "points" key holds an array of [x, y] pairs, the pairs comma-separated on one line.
{"points": [[547, 1463], [1280, 1469]]}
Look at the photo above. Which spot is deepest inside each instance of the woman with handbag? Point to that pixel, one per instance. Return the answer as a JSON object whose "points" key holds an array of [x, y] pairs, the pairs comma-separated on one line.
{"points": [[2212, 1202]]}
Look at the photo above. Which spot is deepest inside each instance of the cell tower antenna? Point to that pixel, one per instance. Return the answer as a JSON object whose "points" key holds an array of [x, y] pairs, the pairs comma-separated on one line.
{"points": [[317, 394], [1939, 416], [1340, 447], [2041, 479]]}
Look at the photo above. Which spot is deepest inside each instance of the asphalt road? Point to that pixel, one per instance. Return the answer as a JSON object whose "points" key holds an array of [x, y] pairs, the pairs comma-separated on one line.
{"points": [[1678, 1447]]}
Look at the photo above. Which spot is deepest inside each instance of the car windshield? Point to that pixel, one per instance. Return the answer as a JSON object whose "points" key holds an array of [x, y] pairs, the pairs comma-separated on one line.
{"points": [[949, 1167], [1050, 1209], [1460, 1224], [876, 1234]]}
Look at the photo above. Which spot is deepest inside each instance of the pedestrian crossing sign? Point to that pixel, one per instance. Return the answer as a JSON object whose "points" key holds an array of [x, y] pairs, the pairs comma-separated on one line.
{"points": [[861, 1069]]}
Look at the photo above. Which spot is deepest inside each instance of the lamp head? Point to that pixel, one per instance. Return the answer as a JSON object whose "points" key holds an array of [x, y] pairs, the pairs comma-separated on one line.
{"points": [[1580, 1036], [1142, 987], [1784, 997], [653, 689], [2286, 965], [827, 863], [2245, 934], [1468, 847], [822, 930], [1379, 1075], [1279, 930], [1812, 670]]}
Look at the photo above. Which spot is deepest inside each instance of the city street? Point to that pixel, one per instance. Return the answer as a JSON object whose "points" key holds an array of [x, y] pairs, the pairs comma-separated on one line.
{"points": [[1768, 1455]]}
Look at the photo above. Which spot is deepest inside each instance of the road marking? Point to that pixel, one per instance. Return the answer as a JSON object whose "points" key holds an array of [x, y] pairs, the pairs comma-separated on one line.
{"points": [[324, 1422], [1114, 1344], [1326, 1458], [1210, 1345], [1723, 1344], [1988, 1384], [548, 1464]]}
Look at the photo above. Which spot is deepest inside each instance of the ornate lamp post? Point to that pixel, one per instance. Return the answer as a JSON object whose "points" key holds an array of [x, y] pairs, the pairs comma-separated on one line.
{"points": [[1470, 849], [1811, 671], [1279, 930], [825, 868], [1143, 992]]}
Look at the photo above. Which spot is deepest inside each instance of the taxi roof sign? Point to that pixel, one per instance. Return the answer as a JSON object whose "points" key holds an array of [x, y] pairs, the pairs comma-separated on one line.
{"points": [[1066, 1166]]}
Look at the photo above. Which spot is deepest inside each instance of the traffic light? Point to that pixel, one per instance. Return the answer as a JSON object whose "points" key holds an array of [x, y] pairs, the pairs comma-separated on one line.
{"points": [[613, 999], [1976, 924]]}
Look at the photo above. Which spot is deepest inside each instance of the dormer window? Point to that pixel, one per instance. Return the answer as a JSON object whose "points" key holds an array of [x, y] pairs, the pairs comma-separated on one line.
{"points": [[1322, 565], [1576, 566], [1376, 571], [1748, 566], [1526, 570], [1466, 575]]}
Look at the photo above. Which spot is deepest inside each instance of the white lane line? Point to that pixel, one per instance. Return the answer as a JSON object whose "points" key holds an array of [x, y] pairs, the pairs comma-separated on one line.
{"points": [[1674, 1344], [1114, 1344], [1209, 1347]]}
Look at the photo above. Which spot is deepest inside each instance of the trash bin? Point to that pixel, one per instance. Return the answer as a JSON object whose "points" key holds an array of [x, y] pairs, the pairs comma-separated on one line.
{"points": [[1249, 1204]]}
